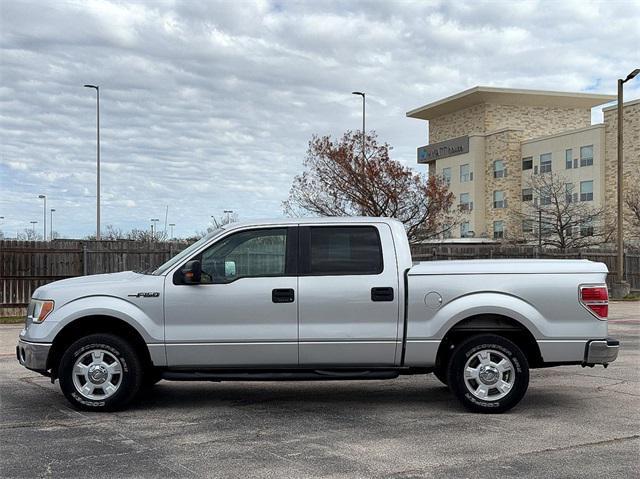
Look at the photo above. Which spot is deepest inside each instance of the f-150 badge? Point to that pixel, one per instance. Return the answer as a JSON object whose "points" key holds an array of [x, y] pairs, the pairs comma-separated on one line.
{"points": [[145, 295]]}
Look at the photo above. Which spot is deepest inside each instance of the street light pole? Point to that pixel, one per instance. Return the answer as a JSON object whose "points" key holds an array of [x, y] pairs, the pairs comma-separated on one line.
{"points": [[171, 225], [51, 224], [620, 245], [363, 120], [97, 88], [44, 217], [153, 221], [33, 228], [228, 213]]}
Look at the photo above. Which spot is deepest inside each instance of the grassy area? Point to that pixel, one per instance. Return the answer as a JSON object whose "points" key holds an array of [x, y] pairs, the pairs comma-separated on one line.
{"points": [[11, 320], [632, 297]]}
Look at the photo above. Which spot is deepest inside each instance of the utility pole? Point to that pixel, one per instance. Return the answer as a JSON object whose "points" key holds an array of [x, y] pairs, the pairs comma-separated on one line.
{"points": [[44, 217], [364, 136], [51, 224], [153, 222], [97, 89], [621, 288]]}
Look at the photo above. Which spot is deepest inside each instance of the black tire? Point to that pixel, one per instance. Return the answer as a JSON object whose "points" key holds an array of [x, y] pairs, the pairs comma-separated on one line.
{"points": [[441, 373], [498, 348], [116, 350], [152, 376]]}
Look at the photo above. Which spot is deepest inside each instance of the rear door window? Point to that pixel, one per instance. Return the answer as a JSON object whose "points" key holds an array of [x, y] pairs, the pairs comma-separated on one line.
{"points": [[343, 250]]}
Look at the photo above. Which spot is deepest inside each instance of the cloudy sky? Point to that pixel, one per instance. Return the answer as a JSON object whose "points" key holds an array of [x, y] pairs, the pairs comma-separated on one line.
{"points": [[207, 106]]}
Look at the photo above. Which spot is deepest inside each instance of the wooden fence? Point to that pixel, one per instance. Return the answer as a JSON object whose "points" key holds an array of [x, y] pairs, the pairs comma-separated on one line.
{"points": [[26, 265], [427, 252]]}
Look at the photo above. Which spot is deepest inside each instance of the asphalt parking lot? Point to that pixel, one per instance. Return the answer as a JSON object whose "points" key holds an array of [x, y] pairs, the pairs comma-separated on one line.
{"points": [[573, 422]]}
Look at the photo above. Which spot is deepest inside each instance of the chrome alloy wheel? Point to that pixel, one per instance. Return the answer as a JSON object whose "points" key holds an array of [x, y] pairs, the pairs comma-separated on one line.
{"points": [[489, 375], [97, 374]]}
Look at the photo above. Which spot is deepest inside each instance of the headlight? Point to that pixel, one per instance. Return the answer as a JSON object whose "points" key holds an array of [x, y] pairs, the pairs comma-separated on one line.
{"points": [[40, 310]]}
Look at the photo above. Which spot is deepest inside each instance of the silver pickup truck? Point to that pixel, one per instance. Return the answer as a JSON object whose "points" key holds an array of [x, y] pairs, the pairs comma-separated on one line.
{"points": [[305, 299]]}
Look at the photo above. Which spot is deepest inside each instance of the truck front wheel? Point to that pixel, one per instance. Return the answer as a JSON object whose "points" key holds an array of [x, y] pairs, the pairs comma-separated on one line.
{"points": [[488, 373], [100, 372]]}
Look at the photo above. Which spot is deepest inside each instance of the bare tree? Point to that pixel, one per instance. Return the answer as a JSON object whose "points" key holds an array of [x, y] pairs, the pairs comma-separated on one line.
{"points": [[28, 234], [223, 220], [561, 217], [632, 200], [340, 181]]}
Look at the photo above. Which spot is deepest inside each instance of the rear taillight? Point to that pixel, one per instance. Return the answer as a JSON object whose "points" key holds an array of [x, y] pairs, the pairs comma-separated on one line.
{"points": [[596, 299]]}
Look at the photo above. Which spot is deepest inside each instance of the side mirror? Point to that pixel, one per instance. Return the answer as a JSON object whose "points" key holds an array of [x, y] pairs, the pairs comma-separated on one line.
{"points": [[192, 272]]}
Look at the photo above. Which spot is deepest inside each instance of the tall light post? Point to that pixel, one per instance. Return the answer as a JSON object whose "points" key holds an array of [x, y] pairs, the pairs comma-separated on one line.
{"points": [[228, 213], [33, 228], [171, 225], [364, 136], [623, 287], [153, 222], [51, 224], [97, 88], [44, 217], [363, 120]]}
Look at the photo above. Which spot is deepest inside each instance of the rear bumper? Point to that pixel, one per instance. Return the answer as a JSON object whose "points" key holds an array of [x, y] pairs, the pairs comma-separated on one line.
{"points": [[33, 355], [601, 351]]}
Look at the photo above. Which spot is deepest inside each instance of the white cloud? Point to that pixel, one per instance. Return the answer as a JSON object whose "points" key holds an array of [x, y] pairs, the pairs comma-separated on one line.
{"points": [[208, 106]]}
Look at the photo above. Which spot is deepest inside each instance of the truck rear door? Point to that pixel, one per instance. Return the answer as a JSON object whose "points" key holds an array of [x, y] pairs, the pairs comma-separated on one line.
{"points": [[348, 295]]}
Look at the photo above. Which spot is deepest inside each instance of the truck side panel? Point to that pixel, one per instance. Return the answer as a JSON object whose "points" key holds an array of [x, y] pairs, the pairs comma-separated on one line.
{"points": [[551, 311]]}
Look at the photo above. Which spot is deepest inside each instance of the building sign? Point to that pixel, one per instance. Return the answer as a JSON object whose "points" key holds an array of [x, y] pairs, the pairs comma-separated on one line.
{"points": [[444, 149]]}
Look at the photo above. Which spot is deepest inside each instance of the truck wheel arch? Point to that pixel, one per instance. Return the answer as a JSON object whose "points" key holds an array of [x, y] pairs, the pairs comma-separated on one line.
{"points": [[95, 324], [490, 323]]}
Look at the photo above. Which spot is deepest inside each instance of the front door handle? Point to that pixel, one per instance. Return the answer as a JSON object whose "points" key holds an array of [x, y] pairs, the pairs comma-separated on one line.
{"points": [[284, 295], [381, 294]]}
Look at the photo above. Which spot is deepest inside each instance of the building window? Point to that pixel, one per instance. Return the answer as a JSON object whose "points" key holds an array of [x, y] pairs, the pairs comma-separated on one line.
{"points": [[499, 201], [527, 226], [527, 163], [499, 170], [498, 229], [464, 229], [465, 202], [465, 173], [568, 158], [545, 163], [586, 190], [568, 192], [586, 229], [527, 194], [545, 198], [586, 155], [446, 175]]}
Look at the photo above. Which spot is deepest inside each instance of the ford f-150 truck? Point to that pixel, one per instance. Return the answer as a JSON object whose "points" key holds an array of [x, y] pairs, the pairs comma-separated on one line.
{"points": [[318, 298]]}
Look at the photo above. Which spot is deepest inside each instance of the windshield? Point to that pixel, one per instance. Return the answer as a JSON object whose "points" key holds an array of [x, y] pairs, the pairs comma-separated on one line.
{"points": [[186, 252]]}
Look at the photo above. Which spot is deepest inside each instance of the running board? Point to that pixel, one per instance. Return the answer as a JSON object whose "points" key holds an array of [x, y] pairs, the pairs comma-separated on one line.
{"points": [[274, 375]]}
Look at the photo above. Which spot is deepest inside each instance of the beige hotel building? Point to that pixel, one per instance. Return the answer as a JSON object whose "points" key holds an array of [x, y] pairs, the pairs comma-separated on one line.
{"points": [[487, 142]]}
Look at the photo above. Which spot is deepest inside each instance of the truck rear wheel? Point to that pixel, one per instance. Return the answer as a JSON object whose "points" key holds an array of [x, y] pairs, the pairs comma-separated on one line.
{"points": [[488, 373], [100, 372]]}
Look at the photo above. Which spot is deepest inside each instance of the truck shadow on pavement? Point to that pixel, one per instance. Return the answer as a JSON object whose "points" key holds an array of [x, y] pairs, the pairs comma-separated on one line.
{"points": [[317, 396]]}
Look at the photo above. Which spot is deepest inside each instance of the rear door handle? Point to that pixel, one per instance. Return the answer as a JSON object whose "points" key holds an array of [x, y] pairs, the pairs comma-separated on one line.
{"points": [[285, 295], [381, 294]]}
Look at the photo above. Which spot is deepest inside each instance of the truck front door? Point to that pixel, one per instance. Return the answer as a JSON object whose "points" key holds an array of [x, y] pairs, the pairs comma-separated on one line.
{"points": [[348, 296], [244, 311]]}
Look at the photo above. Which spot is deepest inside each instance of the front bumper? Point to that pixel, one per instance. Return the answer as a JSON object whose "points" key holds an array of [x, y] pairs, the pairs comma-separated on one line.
{"points": [[601, 351], [33, 355]]}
